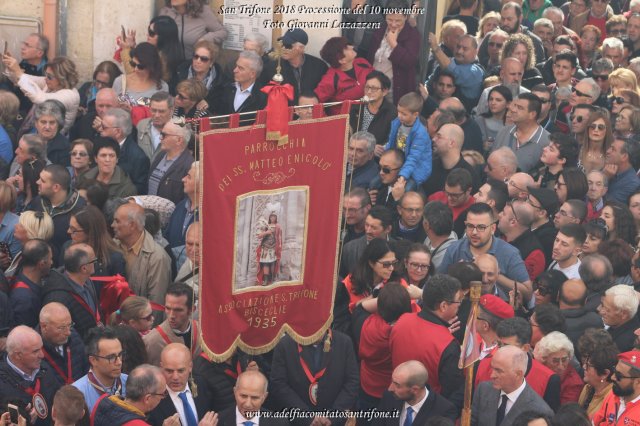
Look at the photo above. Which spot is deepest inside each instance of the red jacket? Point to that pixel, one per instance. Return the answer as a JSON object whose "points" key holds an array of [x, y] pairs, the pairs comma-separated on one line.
{"points": [[337, 85], [375, 356], [413, 337], [607, 413], [571, 385], [537, 377]]}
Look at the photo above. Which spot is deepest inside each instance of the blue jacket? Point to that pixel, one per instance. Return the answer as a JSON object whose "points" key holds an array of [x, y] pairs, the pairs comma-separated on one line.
{"points": [[417, 163], [25, 297]]}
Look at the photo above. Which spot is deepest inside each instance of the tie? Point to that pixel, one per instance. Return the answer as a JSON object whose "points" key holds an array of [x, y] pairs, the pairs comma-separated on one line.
{"points": [[60, 351], [409, 419], [247, 423], [188, 412], [502, 410]]}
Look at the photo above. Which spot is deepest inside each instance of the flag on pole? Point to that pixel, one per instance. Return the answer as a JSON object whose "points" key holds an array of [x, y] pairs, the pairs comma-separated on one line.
{"points": [[470, 352]]}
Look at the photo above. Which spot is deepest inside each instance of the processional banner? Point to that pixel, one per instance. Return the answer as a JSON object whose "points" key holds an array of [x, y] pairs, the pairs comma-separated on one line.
{"points": [[270, 232]]}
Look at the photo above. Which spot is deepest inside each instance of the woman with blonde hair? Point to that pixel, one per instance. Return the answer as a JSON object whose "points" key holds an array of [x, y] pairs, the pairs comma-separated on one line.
{"points": [[597, 139], [31, 225], [520, 46], [488, 23], [59, 83], [135, 312], [622, 78]]}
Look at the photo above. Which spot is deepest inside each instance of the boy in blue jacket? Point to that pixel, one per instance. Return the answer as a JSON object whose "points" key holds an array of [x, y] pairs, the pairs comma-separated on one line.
{"points": [[409, 135]]}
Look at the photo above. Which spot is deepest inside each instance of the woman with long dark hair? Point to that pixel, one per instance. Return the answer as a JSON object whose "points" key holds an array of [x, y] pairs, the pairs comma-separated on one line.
{"points": [[597, 140], [492, 121], [144, 80], [620, 222], [571, 185], [418, 266]]}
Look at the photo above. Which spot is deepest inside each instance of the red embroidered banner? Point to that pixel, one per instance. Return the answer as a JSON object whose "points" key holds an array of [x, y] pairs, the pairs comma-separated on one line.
{"points": [[270, 231]]}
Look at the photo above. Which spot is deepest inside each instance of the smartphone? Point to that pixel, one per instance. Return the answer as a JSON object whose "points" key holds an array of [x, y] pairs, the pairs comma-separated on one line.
{"points": [[123, 33], [13, 413], [6, 47]]}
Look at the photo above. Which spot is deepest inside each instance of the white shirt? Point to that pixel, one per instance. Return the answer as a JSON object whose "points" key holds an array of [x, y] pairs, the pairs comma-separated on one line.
{"points": [[512, 397], [241, 96], [155, 137], [571, 271], [240, 419], [177, 402], [416, 408], [486, 350], [623, 406]]}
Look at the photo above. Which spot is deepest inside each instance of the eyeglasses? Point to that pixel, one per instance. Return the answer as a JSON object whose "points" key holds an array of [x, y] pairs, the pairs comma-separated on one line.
{"points": [[480, 228], [287, 45], [50, 76], [137, 65], [513, 183], [73, 230], [619, 100], [579, 93], [182, 97], [387, 170], [603, 77], [388, 265], [544, 100], [99, 83], [111, 358], [64, 328], [558, 361], [201, 58], [618, 375], [454, 195], [578, 118], [532, 204], [515, 216], [165, 135], [91, 262], [419, 266], [372, 88], [161, 395], [453, 302], [148, 317], [352, 210], [563, 213], [600, 127], [542, 290], [78, 154], [151, 32], [494, 44]]}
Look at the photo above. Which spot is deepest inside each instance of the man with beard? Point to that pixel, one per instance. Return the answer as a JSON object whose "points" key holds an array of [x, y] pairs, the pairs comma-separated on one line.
{"points": [[355, 209], [622, 403], [511, 22]]}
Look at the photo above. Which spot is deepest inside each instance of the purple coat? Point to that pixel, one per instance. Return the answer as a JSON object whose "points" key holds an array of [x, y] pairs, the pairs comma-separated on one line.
{"points": [[404, 58]]}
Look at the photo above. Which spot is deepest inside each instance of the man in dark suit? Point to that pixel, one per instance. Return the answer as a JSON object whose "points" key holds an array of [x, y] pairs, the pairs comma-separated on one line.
{"points": [[316, 377], [409, 396], [499, 401], [244, 94], [250, 392], [182, 401]]}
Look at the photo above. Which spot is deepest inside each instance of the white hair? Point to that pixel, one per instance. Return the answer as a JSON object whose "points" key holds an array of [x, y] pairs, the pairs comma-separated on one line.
{"points": [[543, 22], [612, 43], [553, 342], [624, 298]]}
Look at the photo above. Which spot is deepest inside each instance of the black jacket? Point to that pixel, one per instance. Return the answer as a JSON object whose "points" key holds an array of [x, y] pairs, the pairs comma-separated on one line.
{"points": [[83, 127], [337, 388], [79, 360], [166, 408], [223, 105], [623, 335], [108, 413], [578, 320], [312, 71], [12, 389], [170, 186], [57, 288], [380, 126], [546, 234], [228, 418], [182, 73], [135, 163], [435, 405], [58, 150]]}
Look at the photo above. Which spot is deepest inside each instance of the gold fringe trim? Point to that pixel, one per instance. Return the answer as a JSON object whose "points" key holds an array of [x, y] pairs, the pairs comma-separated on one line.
{"points": [[124, 404]]}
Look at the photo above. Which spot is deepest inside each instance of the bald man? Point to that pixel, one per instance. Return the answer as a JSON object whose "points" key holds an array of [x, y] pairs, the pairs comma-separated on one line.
{"points": [[517, 186], [488, 265], [148, 265], [571, 300], [447, 147], [176, 366], [90, 125], [22, 379], [511, 72], [472, 133], [409, 225], [409, 396], [250, 393], [499, 401], [63, 347]]}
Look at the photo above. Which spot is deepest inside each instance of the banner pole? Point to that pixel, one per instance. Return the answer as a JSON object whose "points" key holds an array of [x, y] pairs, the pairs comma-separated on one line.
{"points": [[475, 293]]}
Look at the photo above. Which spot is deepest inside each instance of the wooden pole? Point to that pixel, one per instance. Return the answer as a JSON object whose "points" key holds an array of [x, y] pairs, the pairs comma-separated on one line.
{"points": [[475, 293]]}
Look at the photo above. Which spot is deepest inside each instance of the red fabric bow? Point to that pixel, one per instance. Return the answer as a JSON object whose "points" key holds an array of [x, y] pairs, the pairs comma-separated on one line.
{"points": [[277, 109]]}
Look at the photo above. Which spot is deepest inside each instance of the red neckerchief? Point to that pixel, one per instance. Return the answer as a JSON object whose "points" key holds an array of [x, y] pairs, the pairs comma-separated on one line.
{"points": [[194, 336], [234, 374], [35, 389], [80, 300], [67, 378]]}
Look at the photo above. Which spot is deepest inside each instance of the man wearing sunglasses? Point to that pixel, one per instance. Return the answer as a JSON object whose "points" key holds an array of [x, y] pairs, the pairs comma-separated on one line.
{"points": [[623, 180], [621, 406]]}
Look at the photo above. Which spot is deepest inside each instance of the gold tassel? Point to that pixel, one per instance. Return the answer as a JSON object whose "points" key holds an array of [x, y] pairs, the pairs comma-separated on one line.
{"points": [[193, 386], [327, 342]]}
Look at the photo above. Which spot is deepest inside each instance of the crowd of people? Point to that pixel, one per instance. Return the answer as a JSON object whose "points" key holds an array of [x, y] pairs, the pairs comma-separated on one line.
{"points": [[512, 161]]}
